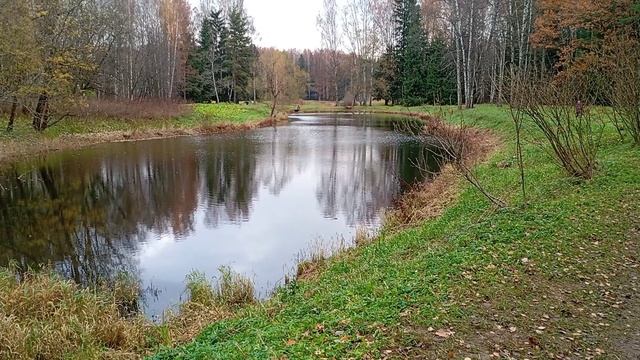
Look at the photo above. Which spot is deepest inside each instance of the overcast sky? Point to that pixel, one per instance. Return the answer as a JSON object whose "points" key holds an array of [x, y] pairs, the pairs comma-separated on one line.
{"points": [[284, 24]]}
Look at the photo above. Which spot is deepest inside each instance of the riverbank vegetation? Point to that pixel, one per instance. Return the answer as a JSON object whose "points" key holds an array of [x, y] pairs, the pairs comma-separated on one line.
{"points": [[43, 316], [549, 277], [457, 276], [111, 121]]}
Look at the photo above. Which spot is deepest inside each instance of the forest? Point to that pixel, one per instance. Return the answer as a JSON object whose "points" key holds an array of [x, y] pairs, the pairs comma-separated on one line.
{"points": [[56, 56]]}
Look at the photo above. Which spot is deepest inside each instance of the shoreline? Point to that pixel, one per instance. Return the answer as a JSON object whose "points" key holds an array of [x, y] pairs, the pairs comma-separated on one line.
{"points": [[19, 149]]}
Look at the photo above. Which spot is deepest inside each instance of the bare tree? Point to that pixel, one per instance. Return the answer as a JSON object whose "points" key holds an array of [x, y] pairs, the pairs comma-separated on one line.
{"points": [[330, 31], [359, 29], [563, 111]]}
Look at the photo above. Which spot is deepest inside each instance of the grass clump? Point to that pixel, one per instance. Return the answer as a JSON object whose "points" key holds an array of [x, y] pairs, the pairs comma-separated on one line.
{"points": [[208, 303], [45, 317], [232, 289]]}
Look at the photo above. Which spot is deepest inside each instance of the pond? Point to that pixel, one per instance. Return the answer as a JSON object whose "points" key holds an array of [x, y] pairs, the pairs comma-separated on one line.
{"points": [[159, 209]]}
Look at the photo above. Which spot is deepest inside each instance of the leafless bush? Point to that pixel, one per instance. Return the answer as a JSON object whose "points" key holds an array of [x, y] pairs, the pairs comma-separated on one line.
{"points": [[624, 93], [458, 146], [563, 110]]}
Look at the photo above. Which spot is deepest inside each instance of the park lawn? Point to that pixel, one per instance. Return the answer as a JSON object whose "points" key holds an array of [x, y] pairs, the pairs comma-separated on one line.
{"points": [[551, 277]]}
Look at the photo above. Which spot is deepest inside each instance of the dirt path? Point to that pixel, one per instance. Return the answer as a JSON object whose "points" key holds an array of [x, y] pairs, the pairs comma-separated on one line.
{"points": [[625, 338]]}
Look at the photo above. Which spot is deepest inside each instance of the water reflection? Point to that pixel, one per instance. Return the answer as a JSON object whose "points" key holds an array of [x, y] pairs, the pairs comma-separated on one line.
{"points": [[160, 209]]}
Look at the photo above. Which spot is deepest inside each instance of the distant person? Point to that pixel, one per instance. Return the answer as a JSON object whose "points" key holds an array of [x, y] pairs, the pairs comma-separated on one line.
{"points": [[579, 108]]}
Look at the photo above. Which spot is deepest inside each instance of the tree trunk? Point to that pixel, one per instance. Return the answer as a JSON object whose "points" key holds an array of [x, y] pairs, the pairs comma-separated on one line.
{"points": [[41, 116], [215, 84], [12, 116]]}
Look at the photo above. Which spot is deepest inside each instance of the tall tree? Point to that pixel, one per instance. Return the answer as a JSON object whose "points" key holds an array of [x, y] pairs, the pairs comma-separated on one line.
{"points": [[330, 32], [282, 78], [239, 54]]}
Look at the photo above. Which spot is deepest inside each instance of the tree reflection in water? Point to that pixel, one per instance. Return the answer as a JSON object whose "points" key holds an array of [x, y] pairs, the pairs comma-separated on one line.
{"points": [[94, 213]]}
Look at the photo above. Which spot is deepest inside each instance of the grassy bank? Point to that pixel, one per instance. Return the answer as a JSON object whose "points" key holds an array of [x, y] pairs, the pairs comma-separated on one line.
{"points": [[108, 122], [555, 277]]}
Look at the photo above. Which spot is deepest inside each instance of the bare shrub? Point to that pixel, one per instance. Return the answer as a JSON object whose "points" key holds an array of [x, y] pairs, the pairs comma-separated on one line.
{"points": [[624, 91], [563, 110], [458, 146]]}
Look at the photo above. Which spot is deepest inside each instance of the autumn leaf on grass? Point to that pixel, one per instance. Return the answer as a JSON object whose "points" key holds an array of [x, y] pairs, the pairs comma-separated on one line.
{"points": [[291, 342], [444, 333]]}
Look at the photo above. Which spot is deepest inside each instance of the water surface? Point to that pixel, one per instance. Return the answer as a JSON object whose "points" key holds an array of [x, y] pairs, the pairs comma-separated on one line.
{"points": [[162, 208]]}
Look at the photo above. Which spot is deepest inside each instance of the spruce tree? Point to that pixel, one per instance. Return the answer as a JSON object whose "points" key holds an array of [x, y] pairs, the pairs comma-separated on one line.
{"points": [[239, 56]]}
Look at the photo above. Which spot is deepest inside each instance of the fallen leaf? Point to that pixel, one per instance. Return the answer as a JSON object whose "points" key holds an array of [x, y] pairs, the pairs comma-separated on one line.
{"points": [[444, 333], [291, 342]]}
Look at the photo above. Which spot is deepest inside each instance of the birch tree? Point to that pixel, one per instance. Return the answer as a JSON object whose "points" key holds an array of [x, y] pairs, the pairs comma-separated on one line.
{"points": [[327, 23]]}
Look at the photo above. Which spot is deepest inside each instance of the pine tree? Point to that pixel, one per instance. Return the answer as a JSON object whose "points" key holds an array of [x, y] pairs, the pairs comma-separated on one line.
{"points": [[409, 54], [239, 56], [439, 79], [385, 76]]}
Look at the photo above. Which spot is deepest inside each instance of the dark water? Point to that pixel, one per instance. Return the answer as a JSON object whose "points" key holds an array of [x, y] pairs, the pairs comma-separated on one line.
{"points": [[160, 209]]}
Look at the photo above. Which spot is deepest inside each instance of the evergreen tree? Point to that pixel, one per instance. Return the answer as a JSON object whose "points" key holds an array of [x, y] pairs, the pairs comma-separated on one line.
{"points": [[223, 61], [410, 53], [439, 78], [385, 76], [420, 73], [239, 55]]}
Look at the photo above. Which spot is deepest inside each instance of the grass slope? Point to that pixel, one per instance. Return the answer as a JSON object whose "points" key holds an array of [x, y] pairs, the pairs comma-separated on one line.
{"points": [[552, 278]]}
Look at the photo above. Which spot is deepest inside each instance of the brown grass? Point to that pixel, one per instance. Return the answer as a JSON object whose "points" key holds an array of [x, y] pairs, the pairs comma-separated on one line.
{"points": [[425, 201], [428, 200], [43, 316], [207, 304], [132, 110]]}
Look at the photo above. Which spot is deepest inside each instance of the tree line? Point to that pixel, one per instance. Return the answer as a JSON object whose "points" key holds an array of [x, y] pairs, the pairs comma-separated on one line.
{"points": [[465, 51], [55, 54]]}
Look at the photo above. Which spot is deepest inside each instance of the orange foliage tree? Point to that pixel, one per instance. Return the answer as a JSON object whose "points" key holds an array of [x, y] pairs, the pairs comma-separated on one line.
{"points": [[579, 32]]}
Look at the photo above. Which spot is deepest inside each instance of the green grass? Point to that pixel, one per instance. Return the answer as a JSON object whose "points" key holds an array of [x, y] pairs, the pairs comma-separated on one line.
{"points": [[232, 113], [522, 281], [193, 116]]}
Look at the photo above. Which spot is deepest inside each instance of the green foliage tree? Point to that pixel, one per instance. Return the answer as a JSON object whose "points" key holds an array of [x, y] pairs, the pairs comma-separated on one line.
{"points": [[223, 62], [239, 54], [385, 75], [419, 73], [18, 54]]}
